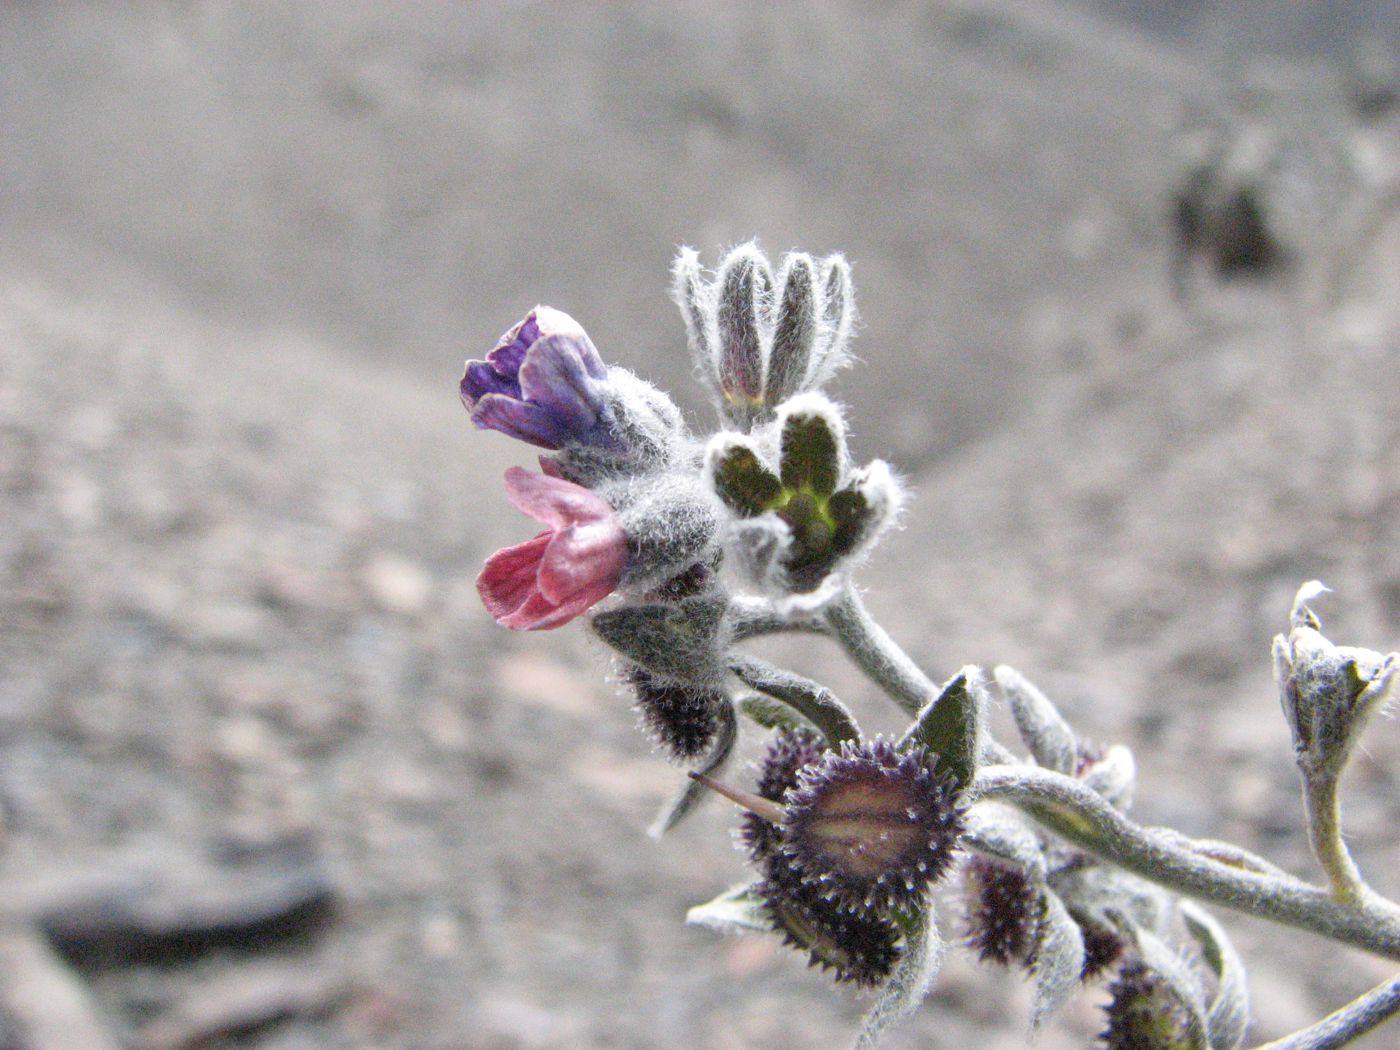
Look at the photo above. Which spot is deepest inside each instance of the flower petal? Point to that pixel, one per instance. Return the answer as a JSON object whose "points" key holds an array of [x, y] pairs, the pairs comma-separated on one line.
{"points": [[519, 420], [554, 377], [554, 501], [481, 378], [550, 321], [509, 578], [537, 614], [582, 557]]}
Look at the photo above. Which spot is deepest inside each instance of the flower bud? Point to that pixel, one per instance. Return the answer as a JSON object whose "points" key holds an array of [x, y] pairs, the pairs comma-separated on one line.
{"points": [[1328, 692], [871, 827], [814, 515], [758, 345]]}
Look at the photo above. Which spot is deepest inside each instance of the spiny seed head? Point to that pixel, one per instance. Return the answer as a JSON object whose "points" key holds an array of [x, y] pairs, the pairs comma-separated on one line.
{"points": [[1144, 1014], [870, 826], [1103, 946], [683, 719], [1003, 911], [790, 751], [861, 949]]}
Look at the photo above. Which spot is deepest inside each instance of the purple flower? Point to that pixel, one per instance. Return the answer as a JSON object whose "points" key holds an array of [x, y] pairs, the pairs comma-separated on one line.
{"points": [[571, 566], [543, 383]]}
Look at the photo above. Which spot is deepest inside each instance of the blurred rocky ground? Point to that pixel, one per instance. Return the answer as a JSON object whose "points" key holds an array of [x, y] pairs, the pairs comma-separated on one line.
{"points": [[269, 777]]}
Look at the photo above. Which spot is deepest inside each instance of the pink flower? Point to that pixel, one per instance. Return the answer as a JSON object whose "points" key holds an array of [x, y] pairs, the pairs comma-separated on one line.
{"points": [[574, 564]]}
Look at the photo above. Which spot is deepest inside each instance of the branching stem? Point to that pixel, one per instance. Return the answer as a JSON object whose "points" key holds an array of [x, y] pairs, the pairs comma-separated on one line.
{"points": [[1080, 815], [877, 654], [1350, 1022]]}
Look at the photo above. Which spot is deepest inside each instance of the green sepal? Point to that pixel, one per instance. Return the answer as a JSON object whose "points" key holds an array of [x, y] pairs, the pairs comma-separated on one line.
{"points": [[743, 483], [849, 511], [677, 640], [738, 908], [951, 726], [811, 454]]}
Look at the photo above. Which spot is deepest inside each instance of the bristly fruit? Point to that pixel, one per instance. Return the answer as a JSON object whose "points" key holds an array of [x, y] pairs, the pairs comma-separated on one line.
{"points": [[1003, 911], [1103, 946], [860, 949], [870, 826], [683, 719], [789, 752], [1144, 1013]]}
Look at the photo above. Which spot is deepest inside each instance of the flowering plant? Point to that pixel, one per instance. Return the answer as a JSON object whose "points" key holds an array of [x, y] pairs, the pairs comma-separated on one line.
{"points": [[707, 543]]}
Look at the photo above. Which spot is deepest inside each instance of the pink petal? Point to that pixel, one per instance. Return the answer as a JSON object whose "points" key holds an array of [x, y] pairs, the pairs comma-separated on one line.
{"points": [[582, 557], [510, 577], [554, 501], [537, 614]]}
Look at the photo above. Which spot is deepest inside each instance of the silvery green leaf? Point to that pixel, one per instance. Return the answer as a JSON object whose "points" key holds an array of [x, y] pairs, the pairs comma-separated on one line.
{"points": [[950, 726], [735, 910], [1003, 832], [1114, 776], [1228, 1016], [772, 714], [1059, 959], [812, 701], [1051, 741], [910, 982], [690, 795]]}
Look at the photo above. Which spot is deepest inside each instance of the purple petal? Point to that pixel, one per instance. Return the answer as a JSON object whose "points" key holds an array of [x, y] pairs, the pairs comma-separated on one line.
{"points": [[554, 377], [520, 420], [481, 378]]}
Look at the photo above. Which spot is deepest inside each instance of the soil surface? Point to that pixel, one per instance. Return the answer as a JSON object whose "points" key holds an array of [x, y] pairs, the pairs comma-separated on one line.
{"points": [[269, 776]]}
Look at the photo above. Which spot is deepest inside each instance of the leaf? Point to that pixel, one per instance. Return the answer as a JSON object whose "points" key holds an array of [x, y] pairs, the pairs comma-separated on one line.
{"points": [[690, 795], [951, 725], [813, 702], [1059, 959], [1228, 1015], [1001, 831], [735, 910], [1051, 741], [1179, 977], [771, 714], [910, 982]]}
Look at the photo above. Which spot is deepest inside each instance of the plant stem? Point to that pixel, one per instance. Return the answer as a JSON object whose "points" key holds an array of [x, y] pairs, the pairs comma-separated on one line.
{"points": [[877, 654], [1350, 1022], [1324, 808], [814, 702], [1080, 815]]}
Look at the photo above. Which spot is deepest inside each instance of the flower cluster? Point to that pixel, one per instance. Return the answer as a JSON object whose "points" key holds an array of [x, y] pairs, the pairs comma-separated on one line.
{"points": [[703, 542]]}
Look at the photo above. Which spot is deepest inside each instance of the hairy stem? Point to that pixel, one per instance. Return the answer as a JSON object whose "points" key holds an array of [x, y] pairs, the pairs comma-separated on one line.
{"points": [[1350, 1022], [1080, 815], [1324, 808], [877, 654]]}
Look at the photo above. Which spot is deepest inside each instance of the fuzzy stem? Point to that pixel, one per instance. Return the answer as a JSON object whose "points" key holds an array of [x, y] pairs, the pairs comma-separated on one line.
{"points": [[1352, 1021], [1324, 808], [877, 654], [1080, 815], [755, 617]]}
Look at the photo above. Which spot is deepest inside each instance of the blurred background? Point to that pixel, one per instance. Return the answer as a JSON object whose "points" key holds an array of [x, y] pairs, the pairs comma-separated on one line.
{"points": [[269, 777]]}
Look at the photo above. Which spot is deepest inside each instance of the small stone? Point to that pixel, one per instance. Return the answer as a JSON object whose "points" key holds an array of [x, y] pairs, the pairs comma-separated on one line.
{"points": [[397, 585]]}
